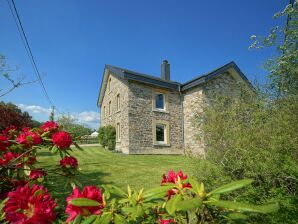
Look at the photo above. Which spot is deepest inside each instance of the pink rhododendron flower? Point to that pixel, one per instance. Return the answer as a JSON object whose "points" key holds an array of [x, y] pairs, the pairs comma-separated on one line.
{"points": [[28, 205], [91, 192], [166, 221], [4, 143], [69, 161], [173, 177], [10, 131], [50, 126], [37, 174], [7, 157], [28, 138], [62, 139]]}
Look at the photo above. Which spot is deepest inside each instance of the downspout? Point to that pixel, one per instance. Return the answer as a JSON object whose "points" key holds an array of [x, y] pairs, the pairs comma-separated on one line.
{"points": [[182, 120]]}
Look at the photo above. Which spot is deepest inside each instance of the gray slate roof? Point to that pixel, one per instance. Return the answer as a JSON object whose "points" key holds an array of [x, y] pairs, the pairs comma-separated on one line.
{"points": [[155, 81]]}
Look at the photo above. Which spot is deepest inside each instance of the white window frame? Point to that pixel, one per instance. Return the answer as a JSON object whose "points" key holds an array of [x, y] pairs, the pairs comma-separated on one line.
{"points": [[156, 92], [166, 124]]}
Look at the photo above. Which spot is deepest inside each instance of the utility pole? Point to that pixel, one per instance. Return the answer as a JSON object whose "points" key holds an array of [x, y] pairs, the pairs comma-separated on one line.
{"points": [[52, 114]]}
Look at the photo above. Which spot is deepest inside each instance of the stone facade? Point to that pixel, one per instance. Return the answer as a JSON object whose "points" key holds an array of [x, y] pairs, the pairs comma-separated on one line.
{"points": [[142, 116], [118, 87], [184, 108], [194, 101]]}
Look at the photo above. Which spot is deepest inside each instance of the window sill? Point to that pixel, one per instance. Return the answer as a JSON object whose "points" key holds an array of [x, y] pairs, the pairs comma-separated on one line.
{"points": [[161, 111], [118, 111], [118, 141], [162, 144]]}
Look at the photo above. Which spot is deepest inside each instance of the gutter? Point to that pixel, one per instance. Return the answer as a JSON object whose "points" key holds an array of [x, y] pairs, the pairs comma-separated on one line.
{"points": [[182, 120]]}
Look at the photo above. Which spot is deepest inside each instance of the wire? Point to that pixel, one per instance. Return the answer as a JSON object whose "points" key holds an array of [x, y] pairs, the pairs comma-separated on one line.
{"points": [[25, 42]]}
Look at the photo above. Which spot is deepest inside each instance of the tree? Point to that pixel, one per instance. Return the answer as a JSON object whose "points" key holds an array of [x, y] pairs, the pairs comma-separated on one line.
{"points": [[71, 125], [12, 115], [5, 73], [283, 68]]}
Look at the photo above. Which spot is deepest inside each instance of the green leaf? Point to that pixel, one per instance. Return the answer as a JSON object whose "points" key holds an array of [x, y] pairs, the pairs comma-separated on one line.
{"points": [[189, 204], [115, 190], [195, 184], [77, 220], [54, 149], [119, 219], [237, 216], [38, 192], [172, 203], [90, 219], [27, 170], [238, 206], [82, 202], [105, 218], [157, 192], [231, 186]]}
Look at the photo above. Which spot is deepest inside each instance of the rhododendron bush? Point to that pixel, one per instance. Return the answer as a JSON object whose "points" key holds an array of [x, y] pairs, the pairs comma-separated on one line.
{"points": [[178, 199]]}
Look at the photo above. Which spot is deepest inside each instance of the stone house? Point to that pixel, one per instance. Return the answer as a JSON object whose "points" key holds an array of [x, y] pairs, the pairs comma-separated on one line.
{"points": [[157, 115]]}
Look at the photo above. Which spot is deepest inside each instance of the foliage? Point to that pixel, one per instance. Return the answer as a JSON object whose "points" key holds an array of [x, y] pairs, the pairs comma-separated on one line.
{"points": [[283, 68], [11, 115], [35, 124], [75, 129], [256, 138], [179, 199], [107, 137]]}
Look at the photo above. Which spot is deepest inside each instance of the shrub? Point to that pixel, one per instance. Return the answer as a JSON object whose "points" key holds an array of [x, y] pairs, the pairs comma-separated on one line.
{"points": [[11, 114], [107, 137], [256, 137]]}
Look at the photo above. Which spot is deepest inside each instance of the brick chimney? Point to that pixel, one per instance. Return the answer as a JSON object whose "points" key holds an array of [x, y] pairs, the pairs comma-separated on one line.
{"points": [[165, 70]]}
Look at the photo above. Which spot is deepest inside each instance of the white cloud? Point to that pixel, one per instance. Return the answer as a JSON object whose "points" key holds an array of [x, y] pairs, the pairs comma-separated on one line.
{"points": [[91, 118], [34, 109]]}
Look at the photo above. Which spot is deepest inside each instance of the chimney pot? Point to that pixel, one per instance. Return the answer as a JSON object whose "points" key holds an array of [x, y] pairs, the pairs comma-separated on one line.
{"points": [[165, 70]]}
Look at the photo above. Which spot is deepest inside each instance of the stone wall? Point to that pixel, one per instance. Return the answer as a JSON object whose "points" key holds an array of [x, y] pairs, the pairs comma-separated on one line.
{"points": [[194, 101], [141, 115], [117, 87]]}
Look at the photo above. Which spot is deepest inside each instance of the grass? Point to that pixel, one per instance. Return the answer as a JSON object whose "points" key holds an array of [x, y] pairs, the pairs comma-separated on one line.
{"points": [[99, 166]]}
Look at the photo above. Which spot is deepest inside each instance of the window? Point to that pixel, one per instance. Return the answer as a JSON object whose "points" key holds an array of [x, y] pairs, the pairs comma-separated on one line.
{"points": [[104, 111], [161, 132], [118, 131], [118, 102], [110, 108], [160, 101]]}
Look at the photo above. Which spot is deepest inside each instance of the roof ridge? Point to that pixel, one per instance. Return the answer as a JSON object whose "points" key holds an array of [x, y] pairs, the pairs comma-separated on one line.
{"points": [[142, 74]]}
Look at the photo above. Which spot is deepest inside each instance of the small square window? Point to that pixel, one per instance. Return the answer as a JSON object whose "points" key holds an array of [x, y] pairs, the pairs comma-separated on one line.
{"points": [[160, 101], [160, 133]]}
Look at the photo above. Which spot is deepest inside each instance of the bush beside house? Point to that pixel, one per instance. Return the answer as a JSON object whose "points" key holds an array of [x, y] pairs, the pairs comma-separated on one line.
{"points": [[107, 137]]}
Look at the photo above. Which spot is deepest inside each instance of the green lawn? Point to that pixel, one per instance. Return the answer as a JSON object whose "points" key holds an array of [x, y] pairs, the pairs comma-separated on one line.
{"points": [[99, 166]]}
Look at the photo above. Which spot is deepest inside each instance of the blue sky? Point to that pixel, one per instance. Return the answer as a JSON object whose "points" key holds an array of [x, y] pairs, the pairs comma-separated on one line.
{"points": [[72, 40]]}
